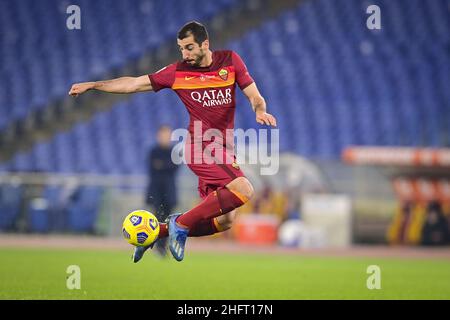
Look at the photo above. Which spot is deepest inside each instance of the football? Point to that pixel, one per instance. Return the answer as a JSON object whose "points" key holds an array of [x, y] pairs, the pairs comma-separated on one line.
{"points": [[140, 228]]}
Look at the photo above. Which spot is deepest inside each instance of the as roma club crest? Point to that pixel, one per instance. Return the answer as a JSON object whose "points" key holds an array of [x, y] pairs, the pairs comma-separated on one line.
{"points": [[223, 74]]}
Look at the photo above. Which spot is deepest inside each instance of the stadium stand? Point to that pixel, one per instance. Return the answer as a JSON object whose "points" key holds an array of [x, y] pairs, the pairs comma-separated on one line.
{"points": [[41, 58]]}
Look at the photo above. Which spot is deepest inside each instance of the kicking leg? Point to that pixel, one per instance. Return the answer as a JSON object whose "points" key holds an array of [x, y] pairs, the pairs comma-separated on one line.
{"points": [[214, 225], [205, 227], [217, 203], [202, 228]]}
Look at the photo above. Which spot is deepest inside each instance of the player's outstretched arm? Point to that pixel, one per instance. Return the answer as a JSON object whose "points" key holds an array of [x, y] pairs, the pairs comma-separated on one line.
{"points": [[119, 85], [259, 106]]}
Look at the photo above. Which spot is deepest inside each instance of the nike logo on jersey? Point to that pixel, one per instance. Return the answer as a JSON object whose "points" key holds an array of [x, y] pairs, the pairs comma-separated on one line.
{"points": [[189, 78]]}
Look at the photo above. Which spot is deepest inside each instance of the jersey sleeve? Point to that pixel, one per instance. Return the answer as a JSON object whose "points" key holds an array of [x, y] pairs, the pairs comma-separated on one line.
{"points": [[163, 78], [243, 78]]}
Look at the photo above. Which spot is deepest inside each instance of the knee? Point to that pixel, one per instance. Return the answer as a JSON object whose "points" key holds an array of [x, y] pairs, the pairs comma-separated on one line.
{"points": [[246, 188], [242, 186]]}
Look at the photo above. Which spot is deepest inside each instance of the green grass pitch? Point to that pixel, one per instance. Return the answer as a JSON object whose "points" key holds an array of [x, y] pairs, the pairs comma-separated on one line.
{"points": [[108, 274]]}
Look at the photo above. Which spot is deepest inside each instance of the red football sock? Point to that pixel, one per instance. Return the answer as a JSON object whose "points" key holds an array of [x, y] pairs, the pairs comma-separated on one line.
{"points": [[202, 228], [163, 230], [215, 204]]}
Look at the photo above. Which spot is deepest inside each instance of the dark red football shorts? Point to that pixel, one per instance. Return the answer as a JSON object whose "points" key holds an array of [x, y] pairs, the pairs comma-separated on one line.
{"points": [[214, 175]]}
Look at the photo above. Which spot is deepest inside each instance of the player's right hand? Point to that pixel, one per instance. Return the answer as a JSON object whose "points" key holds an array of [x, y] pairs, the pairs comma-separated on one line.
{"points": [[263, 117], [80, 88]]}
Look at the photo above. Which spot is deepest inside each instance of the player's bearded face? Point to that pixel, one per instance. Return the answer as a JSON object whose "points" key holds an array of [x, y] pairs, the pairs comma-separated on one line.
{"points": [[192, 52], [195, 56]]}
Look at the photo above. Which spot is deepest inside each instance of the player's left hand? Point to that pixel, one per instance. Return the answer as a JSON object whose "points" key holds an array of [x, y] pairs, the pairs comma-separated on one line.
{"points": [[266, 118]]}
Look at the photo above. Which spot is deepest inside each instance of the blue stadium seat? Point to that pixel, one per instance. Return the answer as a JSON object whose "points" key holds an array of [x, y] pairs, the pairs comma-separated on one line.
{"points": [[10, 205], [83, 209]]}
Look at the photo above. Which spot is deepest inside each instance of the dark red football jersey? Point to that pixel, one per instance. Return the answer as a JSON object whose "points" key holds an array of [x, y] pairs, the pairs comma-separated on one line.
{"points": [[207, 92]]}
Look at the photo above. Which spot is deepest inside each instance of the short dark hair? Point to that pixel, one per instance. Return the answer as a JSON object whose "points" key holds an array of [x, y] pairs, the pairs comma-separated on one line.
{"points": [[195, 28]]}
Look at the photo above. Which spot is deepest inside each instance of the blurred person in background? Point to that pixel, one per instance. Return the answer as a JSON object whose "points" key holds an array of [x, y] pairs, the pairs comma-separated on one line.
{"points": [[435, 229], [397, 230], [162, 191]]}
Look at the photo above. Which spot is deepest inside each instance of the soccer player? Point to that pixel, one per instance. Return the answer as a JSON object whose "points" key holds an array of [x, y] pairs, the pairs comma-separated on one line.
{"points": [[205, 81]]}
